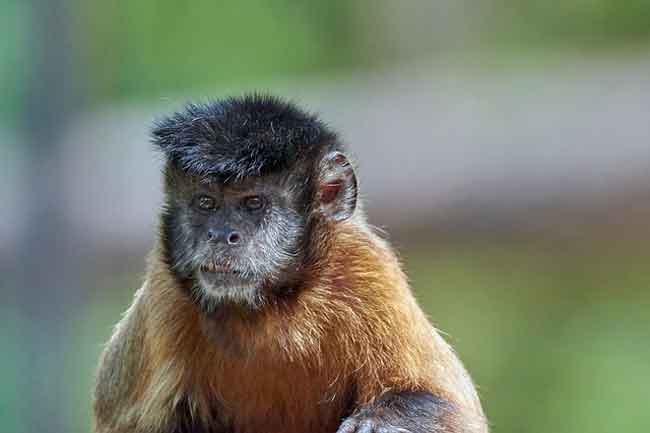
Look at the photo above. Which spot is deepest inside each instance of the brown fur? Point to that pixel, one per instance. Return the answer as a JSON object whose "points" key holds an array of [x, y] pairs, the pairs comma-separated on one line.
{"points": [[299, 365]]}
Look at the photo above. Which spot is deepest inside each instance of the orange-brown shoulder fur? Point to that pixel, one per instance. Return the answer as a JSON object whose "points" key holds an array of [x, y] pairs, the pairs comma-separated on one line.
{"points": [[354, 333]]}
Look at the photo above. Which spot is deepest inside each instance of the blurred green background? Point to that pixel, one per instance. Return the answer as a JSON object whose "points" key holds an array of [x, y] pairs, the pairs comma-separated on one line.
{"points": [[535, 265]]}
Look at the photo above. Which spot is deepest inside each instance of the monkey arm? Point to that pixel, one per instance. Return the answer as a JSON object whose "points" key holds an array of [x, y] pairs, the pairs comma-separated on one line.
{"points": [[412, 412], [408, 412], [410, 380], [121, 374], [416, 405]]}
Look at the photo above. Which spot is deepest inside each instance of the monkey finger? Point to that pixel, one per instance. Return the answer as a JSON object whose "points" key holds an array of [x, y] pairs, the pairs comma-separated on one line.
{"points": [[391, 429], [367, 426], [348, 426]]}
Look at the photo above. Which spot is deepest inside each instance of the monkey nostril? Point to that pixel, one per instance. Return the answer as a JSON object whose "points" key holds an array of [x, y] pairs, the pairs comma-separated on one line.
{"points": [[231, 237], [213, 234], [234, 238]]}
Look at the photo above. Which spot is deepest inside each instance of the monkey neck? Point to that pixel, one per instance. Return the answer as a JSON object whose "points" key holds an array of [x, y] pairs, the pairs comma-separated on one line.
{"points": [[353, 259], [306, 335]]}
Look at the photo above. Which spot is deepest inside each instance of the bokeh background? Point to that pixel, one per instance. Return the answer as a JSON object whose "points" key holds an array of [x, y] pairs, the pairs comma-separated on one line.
{"points": [[503, 144]]}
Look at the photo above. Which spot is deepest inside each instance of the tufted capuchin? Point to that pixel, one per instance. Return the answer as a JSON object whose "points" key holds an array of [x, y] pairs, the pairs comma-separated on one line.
{"points": [[270, 305]]}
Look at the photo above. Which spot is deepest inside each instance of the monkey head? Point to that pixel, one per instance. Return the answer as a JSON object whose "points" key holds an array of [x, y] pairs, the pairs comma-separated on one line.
{"points": [[248, 183]]}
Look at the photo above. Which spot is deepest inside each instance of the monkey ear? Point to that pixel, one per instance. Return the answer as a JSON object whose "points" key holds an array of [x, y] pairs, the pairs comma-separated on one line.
{"points": [[337, 187]]}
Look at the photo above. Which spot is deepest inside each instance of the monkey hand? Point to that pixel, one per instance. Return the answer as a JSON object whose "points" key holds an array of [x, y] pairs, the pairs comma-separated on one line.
{"points": [[402, 412], [369, 424]]}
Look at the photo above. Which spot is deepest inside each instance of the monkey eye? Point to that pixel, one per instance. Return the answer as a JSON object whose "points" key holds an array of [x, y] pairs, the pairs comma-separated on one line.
{"points": [[254, 202], [206, 202]]}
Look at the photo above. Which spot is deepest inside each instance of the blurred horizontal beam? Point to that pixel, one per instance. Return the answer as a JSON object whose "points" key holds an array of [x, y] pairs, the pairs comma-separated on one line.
{"points": [[431, 141]]}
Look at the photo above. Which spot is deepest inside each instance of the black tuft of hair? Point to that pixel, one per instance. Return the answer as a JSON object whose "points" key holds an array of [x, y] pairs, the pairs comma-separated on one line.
{"points": [[238, 137]]}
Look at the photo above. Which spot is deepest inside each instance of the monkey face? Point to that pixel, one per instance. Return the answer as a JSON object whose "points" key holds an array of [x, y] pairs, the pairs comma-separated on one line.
{"points": [[233, 241], [254, 189], [246, 241]]}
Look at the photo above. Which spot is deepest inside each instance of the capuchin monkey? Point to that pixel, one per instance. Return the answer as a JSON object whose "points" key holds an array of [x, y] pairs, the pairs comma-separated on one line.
{"points": [[270, 305]]}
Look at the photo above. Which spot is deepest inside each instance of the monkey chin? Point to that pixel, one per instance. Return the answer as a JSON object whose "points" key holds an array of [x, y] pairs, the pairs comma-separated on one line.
{"points": [[216, 289]]}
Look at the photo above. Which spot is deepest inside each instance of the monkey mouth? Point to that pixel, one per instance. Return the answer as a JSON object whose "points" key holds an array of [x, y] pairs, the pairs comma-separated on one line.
{"points": [[216, 268]]}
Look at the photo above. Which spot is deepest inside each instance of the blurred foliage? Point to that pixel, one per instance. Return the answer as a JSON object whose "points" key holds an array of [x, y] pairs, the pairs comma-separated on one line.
{"points": [[13, 58], [154, 47], [10, 361], [556, 340], [149, 49], [577, 23]]}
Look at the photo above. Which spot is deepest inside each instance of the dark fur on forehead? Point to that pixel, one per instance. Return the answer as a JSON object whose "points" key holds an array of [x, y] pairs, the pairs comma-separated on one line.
{"points": [[234, 138]]}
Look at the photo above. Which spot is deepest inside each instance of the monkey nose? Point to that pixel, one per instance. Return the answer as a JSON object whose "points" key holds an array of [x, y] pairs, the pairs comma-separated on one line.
{"points": [[229, 236], [234, 238]]}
